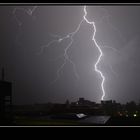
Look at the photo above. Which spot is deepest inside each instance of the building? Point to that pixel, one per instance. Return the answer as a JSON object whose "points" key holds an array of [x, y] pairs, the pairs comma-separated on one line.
{"points": [[83, 102], [5, 98], [110, 107]]}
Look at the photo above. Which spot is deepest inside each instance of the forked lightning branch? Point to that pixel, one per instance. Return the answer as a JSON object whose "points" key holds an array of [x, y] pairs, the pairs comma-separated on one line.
{"points": [[71, 37], [67, 58]]}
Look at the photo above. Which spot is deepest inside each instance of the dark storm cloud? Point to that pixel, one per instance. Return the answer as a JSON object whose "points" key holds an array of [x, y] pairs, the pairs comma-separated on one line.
{"points": [[31, 73]]}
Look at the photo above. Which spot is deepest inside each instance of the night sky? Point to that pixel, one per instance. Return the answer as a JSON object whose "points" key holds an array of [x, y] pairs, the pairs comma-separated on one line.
{"points": [[25, 30]]}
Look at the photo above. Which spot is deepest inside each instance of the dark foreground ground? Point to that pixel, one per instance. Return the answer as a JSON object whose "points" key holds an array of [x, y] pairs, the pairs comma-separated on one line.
{"points": [[46, 121], [124, 121]]}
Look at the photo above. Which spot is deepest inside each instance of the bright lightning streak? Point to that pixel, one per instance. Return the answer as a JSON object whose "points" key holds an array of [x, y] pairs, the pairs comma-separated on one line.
{"points": [[101, 53], [67, 58], [60, 39], [70, 36]]}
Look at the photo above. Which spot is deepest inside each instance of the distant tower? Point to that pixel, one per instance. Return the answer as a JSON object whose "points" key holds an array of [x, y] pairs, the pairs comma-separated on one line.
{"points": [[67, 103]]}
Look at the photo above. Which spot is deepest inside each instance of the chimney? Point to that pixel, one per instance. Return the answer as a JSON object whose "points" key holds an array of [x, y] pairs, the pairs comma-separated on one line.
{"points": [[3, 74]]}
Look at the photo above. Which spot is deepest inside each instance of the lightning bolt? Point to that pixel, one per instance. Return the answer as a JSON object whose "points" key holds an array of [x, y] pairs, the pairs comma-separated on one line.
{"points": [[66, 56], [70, 36], [101, 53]]}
